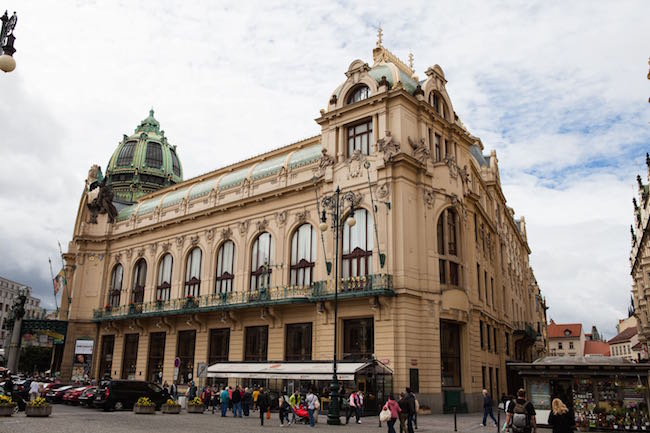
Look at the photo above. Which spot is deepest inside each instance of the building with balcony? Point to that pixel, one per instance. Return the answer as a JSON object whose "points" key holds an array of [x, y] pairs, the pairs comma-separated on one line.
{"points": [[230, 266], [640, 259]]}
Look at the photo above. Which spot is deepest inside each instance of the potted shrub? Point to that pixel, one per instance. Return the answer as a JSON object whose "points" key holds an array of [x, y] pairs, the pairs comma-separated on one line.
{"points": [[144, 406], [195, 405], [189, 301], [38, 407], [170, 406], [7, 406]]}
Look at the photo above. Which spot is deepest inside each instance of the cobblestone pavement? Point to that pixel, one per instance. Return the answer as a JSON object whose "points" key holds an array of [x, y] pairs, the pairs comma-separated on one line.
{"points": [[67, 419]]}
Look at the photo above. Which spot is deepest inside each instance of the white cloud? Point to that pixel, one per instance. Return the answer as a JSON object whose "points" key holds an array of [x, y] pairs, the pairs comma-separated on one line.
{"points": [[557, 88]]}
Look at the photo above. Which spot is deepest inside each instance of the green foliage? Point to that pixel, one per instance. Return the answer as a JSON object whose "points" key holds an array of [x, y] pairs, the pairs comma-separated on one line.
{"points": [[35, 359]]}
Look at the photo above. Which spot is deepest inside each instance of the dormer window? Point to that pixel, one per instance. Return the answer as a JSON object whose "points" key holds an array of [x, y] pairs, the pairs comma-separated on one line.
{"points": [[567, 332], [358, 94]]}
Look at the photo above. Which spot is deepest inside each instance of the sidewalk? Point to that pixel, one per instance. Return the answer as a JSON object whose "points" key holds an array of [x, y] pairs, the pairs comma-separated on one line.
{"points": [[466, 422]]}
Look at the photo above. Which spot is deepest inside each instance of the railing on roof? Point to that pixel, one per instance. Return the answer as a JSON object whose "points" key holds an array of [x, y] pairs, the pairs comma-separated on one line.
{"points": [[371, 285]]}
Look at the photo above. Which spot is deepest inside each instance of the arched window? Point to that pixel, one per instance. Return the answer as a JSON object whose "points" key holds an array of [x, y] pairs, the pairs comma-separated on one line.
{"points": [[303, 255], [193, 273], [358, 94], [225, 265], [153, 157], [448, 260], [434, 100], [139, 279], [357, 245], [261, 258], [125, 157], [164, 285], [115, 287]]}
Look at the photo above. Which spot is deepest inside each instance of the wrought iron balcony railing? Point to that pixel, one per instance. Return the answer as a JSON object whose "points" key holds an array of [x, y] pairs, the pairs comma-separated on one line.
{"points": [[371, 285]]}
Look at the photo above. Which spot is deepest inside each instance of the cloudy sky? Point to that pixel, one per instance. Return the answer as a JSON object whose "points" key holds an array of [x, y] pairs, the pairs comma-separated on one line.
{"points": [[558, 88]]}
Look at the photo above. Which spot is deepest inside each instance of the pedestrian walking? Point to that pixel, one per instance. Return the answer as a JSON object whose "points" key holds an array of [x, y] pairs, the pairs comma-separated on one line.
{"points": [[487, 408], [173, 391], [409, 400], [262, 404], [224, 401], [294, 401], [395, 410], [256, 394], [360, 406], [561, 418], [312, 405], [191, 392], [206, 396], [284, 408], [520, 416], [403, 414], [33, 390], [236, 402], [353, 407], [247, 401]]}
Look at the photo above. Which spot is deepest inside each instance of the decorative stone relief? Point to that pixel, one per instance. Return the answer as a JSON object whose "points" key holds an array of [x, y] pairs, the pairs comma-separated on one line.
{"points": [[245, 187], [419, 150], [326, 160], [355, 163], [194, 240], [429, 198], [282, 217], [226, 233], [141, 252], [165, 246], [128, 253], [180, 240], [156, 212], [209, 234], [458, 204], [262, 225], [153, 247], [243, 226], [389, 146], [451, 164], [301, 217], [383, 193]]}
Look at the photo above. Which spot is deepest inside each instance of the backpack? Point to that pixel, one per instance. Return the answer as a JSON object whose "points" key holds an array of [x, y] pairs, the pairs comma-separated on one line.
{"points": [[520, 421]]}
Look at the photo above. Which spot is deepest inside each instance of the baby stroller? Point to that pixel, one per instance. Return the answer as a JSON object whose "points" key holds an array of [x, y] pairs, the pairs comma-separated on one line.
{"points": [[301, 414]]}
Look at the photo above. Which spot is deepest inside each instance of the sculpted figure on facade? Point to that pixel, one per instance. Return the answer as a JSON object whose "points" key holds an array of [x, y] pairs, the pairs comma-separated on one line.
{"points": [[355, 163], [226, 233], [243, 227], [420, 151], [388, 146], [326, 160], [103, 203], [282, 217]]}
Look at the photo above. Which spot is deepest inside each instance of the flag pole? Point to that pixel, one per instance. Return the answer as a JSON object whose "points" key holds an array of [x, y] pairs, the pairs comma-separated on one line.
{"points": [[54, 285]]}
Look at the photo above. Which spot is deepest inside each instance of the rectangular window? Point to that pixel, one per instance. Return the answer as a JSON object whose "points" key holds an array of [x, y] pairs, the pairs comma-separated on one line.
{"points": [[570, 344], [492, 291], [494, 332], [257, 343], [483, 373], [130, 356], [414, 379], [489, 344], [475, 228], [480, 324], [486, 288], [490, 370], [156, 357], [106, 358], [478, 280], [442, 271], [559, 345], [360, 137], [450, 354], [298, 342], [185, 353], [219, 345], [437, 147], [447, 150], [497, 382], [454, 274], [358, 339]]}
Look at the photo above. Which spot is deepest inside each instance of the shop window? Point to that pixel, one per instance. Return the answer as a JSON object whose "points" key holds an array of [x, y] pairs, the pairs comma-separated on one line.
{"points": [[298, 342], [225, 267], [115, 288], [106, 358], [261, 261], [130, 356], [257, 339], [193, 273], [360, 137], [139, 279], [358, 245], [303, 255], [490, 371], [163, 288], [185, 353], [219, 345], [450, 354], [156, 357], [358, 339]]}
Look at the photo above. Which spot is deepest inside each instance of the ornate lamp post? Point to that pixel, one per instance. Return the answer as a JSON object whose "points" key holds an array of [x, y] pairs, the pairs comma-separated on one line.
{"points": [[7, 38], [336, 205]]}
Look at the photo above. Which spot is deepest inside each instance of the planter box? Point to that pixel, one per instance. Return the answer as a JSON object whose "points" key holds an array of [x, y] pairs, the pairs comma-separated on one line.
{"points": [[193, 408], [38, 411], [170, 409], [144, 410], [7, 410]]}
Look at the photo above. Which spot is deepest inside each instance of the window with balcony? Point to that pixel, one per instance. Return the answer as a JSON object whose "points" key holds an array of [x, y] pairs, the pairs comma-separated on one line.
{"points": [[257, 341], [303, 255], [360, 137], [193, 273], [225, 267], [447, 232], [164, 284], [156, 357], [139, 280], [358, 339], [261, 261], [298, 342], [358, 245], [219, 345], [185, 354], [115, 287]]}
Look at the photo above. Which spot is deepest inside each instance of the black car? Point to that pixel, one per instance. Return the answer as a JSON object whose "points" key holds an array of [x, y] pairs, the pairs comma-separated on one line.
{"points": [[123, 394], [56, 395]]}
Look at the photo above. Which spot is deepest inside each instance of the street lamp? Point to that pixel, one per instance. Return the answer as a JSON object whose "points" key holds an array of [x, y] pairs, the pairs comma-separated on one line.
{"points": [[7, 38], [336, 205]]}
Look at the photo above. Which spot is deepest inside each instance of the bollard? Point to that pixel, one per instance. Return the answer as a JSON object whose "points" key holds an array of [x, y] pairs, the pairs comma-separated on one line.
{"points": [[498, 421], [455, 423]]}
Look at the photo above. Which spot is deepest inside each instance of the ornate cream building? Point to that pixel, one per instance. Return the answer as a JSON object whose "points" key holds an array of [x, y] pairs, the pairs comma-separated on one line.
{"points": [[640, 260], [230, 266]]}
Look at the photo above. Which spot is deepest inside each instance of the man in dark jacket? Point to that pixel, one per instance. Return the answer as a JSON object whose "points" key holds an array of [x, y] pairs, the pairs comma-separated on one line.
{"points": [[247, 401], [263, 404], [236, 402], [487, 408], [409, 404]]}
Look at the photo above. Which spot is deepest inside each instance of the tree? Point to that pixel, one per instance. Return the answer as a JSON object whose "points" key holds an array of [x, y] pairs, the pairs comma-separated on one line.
{"points": [[34, 359]]}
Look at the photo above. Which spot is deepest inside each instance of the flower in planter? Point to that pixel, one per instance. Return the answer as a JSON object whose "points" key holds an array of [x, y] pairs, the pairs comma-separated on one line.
{"points": [[172, 403], [6, 401], [144, 402], [38, 402], [107, 307], [196, 401]]}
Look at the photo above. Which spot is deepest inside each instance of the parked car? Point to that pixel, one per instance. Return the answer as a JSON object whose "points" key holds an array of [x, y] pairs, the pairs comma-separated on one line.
{"points": [[88, 396], [56, 395], [72, 395], [122, 394], [21, 388], [20, 402]]}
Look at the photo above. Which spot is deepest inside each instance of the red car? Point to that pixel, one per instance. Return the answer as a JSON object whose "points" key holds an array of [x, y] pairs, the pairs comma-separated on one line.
{"points": [[72, 395]]}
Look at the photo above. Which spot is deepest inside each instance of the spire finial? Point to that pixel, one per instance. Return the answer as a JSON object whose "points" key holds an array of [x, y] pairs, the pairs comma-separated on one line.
{"points": [[380, 34], [411, 58], [151, 112]]}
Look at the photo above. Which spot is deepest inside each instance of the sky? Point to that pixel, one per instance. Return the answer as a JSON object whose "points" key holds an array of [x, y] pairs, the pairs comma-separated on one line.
{"points": [[559, 89]]}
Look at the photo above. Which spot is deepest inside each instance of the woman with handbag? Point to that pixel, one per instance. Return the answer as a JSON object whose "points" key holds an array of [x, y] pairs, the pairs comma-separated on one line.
{"points": [[390, 413]]}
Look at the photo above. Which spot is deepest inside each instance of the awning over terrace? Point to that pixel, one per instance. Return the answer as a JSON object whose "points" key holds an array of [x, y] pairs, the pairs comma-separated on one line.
{"points": [[290, 370]]}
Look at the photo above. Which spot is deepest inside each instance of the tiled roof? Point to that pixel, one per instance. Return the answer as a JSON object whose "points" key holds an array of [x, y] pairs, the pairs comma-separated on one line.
{"points": [[557, 330], [626, 335], [593, 347]]}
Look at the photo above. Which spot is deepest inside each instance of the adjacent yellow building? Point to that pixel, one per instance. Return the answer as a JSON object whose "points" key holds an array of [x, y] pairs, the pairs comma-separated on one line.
{"points": [[231, 266]]}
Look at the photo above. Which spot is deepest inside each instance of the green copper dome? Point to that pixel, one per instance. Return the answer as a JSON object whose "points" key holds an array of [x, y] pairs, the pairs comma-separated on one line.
{"points": [[143, 162]]}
